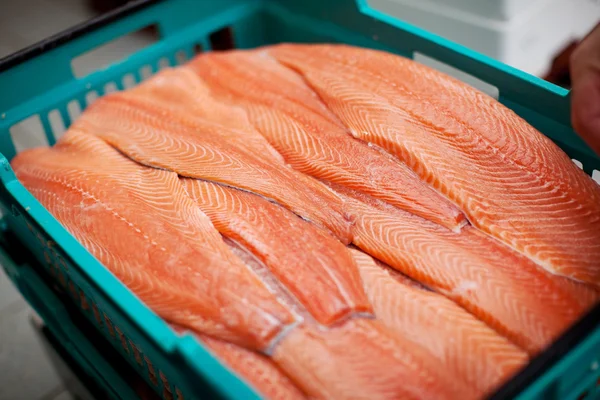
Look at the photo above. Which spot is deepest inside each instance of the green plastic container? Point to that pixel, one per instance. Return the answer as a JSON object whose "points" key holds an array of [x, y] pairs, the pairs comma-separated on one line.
{"points": [[39, 81]]}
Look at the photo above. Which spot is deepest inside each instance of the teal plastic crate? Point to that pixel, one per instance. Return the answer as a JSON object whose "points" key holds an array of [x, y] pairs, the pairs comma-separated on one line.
{"points": [[39, 82]]}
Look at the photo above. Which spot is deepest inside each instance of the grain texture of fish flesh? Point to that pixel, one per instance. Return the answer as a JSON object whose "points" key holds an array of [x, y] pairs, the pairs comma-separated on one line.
{"points": [[254, 368], [197, 148], [465, 346], [510, 180], [316, 268], [311, 138], [180, 91], [362, 359], [141, 224], [504, 289], [284, 296]]}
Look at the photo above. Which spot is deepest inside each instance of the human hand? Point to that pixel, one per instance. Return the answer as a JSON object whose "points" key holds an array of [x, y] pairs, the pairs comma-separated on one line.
{"points": [[585, 96]]}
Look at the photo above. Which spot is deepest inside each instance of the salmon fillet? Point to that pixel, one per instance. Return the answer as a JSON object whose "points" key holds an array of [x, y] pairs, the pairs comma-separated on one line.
{"points": [[257, 370], [361, 359], [311, 139], [284, 296], [140, 223], [511, 181], [316, 269], [465, 346], [181, 92], [193, 147], [507, 291], [320, 273]]}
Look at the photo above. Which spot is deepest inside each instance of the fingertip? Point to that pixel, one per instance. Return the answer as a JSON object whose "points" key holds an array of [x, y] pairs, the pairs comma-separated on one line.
{"points": [[585, 109]]}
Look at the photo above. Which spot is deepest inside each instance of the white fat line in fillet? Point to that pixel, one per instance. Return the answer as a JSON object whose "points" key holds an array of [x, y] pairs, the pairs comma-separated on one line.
{"points": [[290, 328], [270, 200], [285, 297], [264, 274], [131, 158], [398, 276], [402, 278], [280, 337], [345, 318]]}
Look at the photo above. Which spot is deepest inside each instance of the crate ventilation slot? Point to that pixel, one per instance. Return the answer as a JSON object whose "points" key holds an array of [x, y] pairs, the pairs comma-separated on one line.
{"points": [[110, 87], [145, 72], [28, 133], [74, 110], [128, 81], [163, 63], [56, 123], [90, 97]]}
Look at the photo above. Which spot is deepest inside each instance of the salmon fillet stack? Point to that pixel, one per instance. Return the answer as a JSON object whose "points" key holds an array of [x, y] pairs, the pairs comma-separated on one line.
{"points": [[331, 221]]}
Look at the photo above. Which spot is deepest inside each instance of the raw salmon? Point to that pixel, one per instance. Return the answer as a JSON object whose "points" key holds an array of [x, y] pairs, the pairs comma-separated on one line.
{"points": [[504, 289], [180, 91], [361, 359], [275, 286], [257, 370], [316, 268], [193, 147], [312, 140], [463, 344], [510, 180], [140, 223]]}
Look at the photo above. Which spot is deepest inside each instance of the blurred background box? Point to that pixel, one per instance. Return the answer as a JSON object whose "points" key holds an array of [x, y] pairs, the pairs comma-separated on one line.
{"points": [[501, 10], [526, 34]]}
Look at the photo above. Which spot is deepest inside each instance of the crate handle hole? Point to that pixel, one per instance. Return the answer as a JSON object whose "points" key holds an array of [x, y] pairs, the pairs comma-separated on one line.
{"points": [[222, 39], [114, 51], [469, 79]]}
